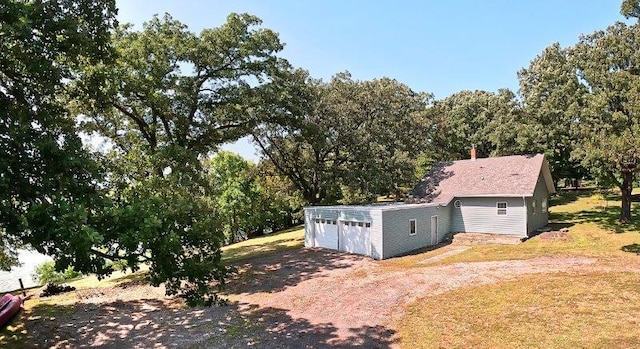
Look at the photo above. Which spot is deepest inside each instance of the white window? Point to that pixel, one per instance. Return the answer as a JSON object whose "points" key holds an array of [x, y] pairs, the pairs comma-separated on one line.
{"points": [[502, 208], [412, 227], [544, 205], [457, 204], [533, 206]]}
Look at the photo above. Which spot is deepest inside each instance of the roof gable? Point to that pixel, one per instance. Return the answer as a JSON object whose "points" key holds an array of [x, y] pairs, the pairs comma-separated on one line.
{"points": [[514, 175]]}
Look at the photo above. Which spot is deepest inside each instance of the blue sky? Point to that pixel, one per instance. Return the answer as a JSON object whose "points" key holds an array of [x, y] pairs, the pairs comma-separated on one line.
{"points": [[433, 46]]}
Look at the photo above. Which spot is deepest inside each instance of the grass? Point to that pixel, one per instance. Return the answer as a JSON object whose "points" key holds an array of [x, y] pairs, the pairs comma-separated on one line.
{"points": [[593, 232], [287, 239], [16, 335], [587, 309], [580, 309], [596, 310]]}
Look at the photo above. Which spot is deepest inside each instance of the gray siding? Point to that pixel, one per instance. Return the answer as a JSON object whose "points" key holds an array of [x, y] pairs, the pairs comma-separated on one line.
{"points": [[479, 215], [444, 220], [395, 224], [541, 217]]}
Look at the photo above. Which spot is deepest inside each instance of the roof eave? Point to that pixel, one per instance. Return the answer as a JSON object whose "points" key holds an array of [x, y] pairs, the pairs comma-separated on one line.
{"points": [[548, 179]]}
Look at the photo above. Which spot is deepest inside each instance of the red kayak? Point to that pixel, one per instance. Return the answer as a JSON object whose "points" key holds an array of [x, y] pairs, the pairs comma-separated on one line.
{"points": [[9, 306]]}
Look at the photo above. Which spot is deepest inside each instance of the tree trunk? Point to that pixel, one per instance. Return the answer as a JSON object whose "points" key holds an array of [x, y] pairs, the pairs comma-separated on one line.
{"points": [[575, 182], [626, 188], [256, 233]]}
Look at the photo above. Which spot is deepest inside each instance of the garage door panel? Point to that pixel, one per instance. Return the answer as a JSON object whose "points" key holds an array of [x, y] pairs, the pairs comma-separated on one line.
{"points": [[326, 234], [355, 237]]}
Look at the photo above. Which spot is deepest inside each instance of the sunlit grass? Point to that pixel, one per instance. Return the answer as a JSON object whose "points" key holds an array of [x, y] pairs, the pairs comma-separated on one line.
{"points": [[593, 310], [590, 309], [593, 232], [284, 240]]}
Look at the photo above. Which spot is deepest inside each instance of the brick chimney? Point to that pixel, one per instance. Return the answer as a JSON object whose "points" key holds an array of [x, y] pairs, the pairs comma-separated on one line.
{"points": [[473, 152]]}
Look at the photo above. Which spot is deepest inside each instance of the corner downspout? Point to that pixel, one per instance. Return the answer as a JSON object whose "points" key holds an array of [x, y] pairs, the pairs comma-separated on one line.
{"points": [[526, 216]]}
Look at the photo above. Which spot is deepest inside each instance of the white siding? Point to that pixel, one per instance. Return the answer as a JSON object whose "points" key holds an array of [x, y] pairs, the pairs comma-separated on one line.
{"points": [[376, 234], [479, 215], [308, 227], [444, 221]]}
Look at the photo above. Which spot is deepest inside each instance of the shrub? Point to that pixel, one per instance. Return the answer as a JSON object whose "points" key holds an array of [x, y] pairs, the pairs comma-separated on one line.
{"points": [[46, 273]]}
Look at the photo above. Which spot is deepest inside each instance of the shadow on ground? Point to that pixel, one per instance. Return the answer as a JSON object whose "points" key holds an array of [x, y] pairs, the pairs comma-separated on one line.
{"points": [[606, 217], [633, 248], [150, 323], [274, 273]]}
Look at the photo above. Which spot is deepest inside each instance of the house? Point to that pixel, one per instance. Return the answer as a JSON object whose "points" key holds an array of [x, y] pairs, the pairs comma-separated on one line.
{"points": [[497, 195]]}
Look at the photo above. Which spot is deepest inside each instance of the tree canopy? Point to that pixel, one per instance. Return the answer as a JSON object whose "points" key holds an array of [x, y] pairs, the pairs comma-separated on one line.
{"points": [[164, 99], [553, 100], [351, 140], [47, 179], [609, 67]]}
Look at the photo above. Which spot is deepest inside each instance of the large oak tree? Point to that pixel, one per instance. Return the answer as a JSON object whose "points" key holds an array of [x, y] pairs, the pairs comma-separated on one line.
{"points": [[553, 99], [608, 65], [47, 180], [171, 98]]}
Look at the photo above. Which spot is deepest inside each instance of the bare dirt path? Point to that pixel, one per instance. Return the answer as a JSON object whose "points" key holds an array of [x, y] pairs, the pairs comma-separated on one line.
{"points": [[292, 299]]}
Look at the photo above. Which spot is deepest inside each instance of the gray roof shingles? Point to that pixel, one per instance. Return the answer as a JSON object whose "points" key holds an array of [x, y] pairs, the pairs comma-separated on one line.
{"points": [[514, 175]]}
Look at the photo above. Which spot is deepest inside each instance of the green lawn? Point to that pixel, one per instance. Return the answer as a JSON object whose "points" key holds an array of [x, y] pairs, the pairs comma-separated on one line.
{"points": [[589, 309], [594, 310], [287, 239]]}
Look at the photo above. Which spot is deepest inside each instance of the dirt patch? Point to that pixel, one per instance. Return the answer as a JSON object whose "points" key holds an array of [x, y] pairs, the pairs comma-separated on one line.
{"points": [[298, 298], [451, 252], [554, 236]]}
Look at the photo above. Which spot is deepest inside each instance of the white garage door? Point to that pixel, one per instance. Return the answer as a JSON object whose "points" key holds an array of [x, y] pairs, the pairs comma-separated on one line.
{"points": [[325, 233], [355, 237]]}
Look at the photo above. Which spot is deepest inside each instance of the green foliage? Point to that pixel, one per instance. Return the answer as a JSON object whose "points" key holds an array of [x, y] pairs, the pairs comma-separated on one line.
{"points": [[469, 118], [250, 200], [46, 273], [630, 8], [47, 180], [236, 195], [608, 65], [359, 135], [553, 101], [280, 201], [170, 99]]}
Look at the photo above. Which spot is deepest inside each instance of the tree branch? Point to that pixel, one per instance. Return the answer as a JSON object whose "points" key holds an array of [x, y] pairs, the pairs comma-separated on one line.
{"points": [[142, 126]]}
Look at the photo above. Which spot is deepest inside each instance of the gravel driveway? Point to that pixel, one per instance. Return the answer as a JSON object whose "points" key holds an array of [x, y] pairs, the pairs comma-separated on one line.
{"points": [[293, 299]]}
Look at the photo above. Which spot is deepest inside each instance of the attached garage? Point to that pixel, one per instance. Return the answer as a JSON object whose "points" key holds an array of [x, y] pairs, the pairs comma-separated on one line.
{"points": [[355, 237], [325, 233], [358, 229]]}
